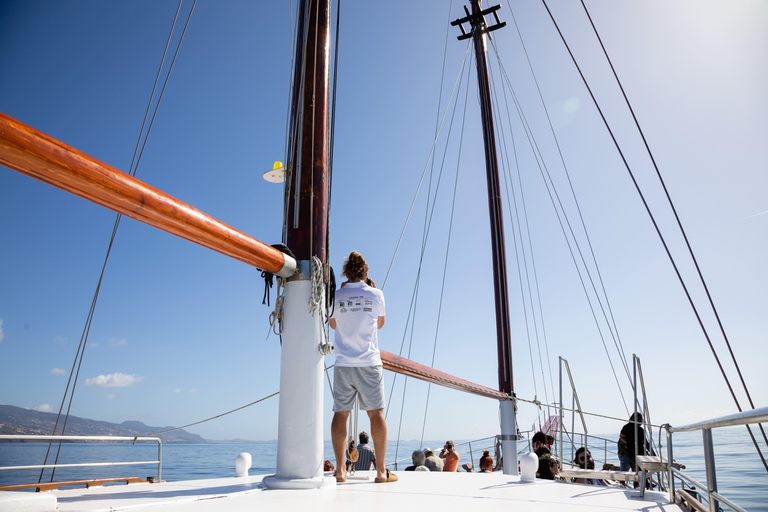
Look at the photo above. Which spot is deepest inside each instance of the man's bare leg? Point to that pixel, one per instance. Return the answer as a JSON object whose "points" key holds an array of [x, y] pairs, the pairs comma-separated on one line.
{"points": [[339, 440], [379, 435]]}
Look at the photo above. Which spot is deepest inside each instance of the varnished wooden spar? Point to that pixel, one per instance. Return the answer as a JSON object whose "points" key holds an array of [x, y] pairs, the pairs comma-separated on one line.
{"points": [[24, 149], [407, 367]]}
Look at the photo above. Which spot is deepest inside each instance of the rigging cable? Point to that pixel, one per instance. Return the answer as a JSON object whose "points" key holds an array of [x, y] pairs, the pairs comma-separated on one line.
{"points": [[529, 244], [428, 216], [677, 217], [418, 274], [437, 125], [447, 252], [132, 171], [661, 237], [612, 323], [501, 140], [552, 190], [208, 419], [429, 157]]}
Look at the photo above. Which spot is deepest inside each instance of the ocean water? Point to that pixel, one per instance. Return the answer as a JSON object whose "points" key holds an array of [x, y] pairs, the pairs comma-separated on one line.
{"points": [[740, 473]]}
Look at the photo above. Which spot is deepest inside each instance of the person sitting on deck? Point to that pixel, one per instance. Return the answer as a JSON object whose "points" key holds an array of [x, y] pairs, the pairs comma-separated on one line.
{"points": [[418, 459], [486, 462], [450, 456], [541, 451], [365, 454], [432, 461], [547, 467], [585, 461]]}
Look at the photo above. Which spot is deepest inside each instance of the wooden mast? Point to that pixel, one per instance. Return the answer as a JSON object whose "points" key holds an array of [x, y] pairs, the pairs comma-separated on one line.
{"points": [[479, 29], [503, 340], [307, 178]]}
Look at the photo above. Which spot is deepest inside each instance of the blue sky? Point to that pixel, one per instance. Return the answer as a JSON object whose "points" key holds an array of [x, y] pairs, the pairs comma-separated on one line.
{"points": [[180, 333]]}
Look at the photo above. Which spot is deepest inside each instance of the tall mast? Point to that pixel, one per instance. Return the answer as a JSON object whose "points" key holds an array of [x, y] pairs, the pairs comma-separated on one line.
{"points": [[300, 428], [503, 341], [306, 186]]}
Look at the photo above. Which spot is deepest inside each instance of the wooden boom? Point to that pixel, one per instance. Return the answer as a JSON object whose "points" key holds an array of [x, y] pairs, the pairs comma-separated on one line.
{"points": [[24, 149], [407, 367]]}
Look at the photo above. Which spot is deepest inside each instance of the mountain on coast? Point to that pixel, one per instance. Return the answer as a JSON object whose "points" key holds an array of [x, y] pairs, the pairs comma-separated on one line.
{"points": [[20, 421]]}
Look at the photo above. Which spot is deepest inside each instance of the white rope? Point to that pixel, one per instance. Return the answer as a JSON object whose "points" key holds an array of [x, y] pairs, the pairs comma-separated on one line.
{"points": [[276, 317], [317, 285], [320, 276]]}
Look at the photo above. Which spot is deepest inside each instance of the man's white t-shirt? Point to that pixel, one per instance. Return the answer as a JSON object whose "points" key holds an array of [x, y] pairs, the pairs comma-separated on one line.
{"points": [[357, 310]]}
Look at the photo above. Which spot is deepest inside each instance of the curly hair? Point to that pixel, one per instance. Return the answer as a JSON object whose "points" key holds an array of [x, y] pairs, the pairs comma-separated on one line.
{"points": [[355, 267]]}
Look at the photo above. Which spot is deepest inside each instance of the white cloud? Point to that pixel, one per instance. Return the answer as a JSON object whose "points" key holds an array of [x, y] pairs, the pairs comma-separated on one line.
{"points": [[193, 390], [110, 396], [178, 390], [1, 331], [43, 408], [60, 340], [58, 371], [114, 380], [117, 343]]}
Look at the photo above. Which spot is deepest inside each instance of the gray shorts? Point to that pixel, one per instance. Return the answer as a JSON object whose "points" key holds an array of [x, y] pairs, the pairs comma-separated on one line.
{"points": [[349, 381]]}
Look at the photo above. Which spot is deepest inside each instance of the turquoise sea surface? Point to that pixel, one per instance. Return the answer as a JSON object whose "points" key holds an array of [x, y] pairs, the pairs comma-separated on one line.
{"points": [[741, 475]]}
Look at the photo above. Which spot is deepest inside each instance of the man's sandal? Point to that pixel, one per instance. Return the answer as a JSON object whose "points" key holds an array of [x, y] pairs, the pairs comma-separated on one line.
{"points": [[391, 477]]}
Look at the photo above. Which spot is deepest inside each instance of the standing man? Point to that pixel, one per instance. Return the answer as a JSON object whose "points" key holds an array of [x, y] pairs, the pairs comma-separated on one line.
{"points": [[633, 446], [358, 314]]}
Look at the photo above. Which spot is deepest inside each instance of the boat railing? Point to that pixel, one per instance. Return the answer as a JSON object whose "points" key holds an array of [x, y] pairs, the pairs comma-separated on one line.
{"points": [[158, 462], [714, 498]]}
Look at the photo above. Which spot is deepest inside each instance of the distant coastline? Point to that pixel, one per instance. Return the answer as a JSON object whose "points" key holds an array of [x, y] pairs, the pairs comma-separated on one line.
{"points": [[20, 421]]}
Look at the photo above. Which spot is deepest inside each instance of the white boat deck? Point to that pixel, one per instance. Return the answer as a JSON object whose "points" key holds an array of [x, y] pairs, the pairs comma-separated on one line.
{"points": [[422, 490]]}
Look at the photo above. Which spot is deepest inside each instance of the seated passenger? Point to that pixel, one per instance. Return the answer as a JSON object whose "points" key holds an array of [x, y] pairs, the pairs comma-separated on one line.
{"points": [[547, 467], [418, 461], [450, 457], [486, 462], [366, 457], [541, 451], [585, 461], [432, 461], [539, 439]]}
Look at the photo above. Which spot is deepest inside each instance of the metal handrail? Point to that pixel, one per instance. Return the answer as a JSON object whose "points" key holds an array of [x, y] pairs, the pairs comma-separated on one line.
{"points": [[743, 418], [714, 498], [159, 460]]}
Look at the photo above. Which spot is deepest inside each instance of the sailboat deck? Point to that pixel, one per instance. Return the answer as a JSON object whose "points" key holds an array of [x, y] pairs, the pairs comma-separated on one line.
{"points": [[438, 491]]}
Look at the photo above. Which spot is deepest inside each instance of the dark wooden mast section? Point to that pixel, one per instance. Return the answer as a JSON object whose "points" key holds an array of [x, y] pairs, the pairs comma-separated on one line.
{"points": [[307, 171], [503, 341]]}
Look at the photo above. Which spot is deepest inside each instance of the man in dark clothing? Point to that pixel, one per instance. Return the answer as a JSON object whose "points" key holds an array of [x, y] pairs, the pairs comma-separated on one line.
{"points": [[632, 445]]}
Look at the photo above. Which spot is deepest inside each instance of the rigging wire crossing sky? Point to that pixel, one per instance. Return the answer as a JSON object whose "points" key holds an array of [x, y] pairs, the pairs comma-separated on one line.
{"points": [[180, 333]]}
